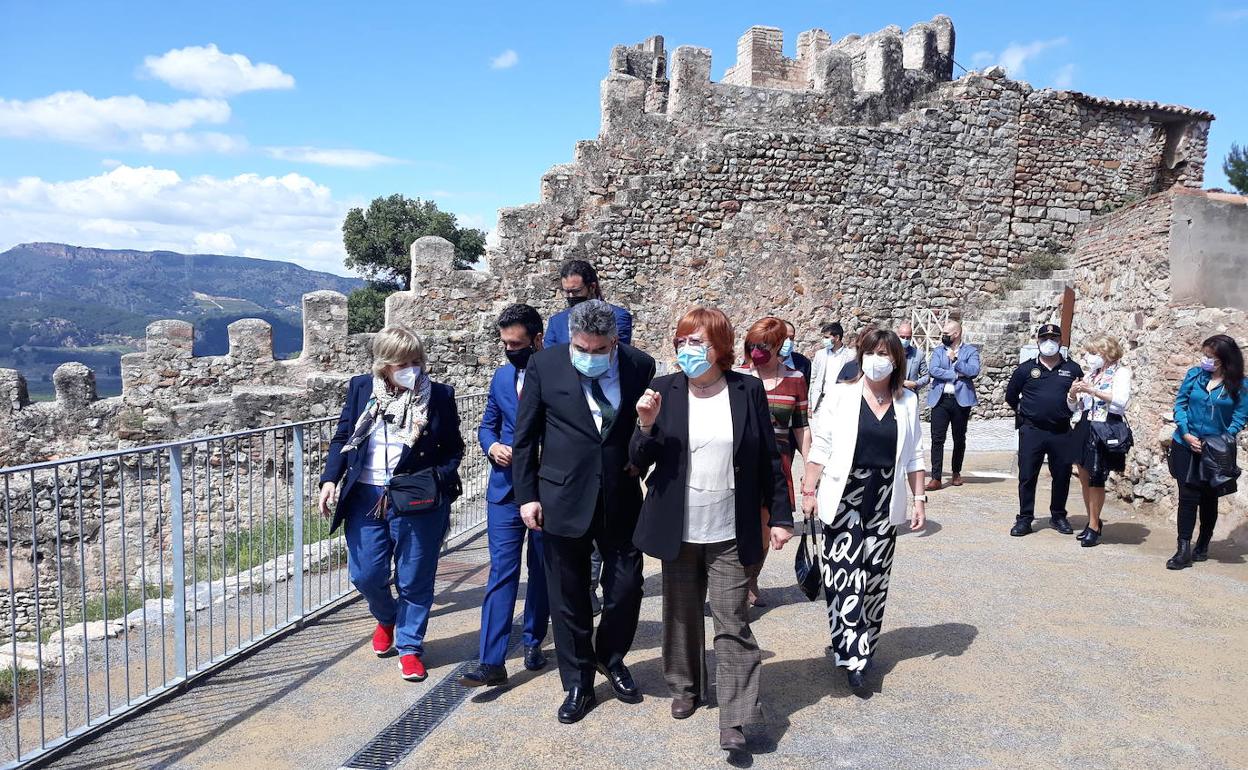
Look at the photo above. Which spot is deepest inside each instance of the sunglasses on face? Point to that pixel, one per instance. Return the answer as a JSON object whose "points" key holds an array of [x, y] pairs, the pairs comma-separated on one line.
{"points": [[758, 346]]}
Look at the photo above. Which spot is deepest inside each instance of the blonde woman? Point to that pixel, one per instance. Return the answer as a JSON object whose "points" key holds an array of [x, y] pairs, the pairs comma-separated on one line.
{"points": [[1101, 396], [393, 467]]}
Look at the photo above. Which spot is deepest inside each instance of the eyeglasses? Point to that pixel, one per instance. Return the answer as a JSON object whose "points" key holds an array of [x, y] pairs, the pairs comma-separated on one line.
{"points": [[758, 346], [680, 342]]}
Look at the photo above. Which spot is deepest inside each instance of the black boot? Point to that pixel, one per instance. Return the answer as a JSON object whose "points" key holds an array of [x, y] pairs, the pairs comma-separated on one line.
{"points": [[1182, 558], [1200, 551]]}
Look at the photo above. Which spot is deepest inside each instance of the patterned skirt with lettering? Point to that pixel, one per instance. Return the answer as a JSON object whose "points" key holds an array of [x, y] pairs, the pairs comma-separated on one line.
{"points": [[857, 558]]}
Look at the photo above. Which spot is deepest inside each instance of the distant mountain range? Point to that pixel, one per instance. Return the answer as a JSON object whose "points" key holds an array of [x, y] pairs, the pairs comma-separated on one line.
{"points": [[56, 300]]}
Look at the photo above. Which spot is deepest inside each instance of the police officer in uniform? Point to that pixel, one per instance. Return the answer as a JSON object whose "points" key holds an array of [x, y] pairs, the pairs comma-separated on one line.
{"points": [[1037, 393]]}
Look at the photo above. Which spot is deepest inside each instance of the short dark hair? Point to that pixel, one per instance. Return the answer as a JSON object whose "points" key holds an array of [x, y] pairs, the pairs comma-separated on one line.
{"points": [[579, 267], [833, 328], [522, 314]]}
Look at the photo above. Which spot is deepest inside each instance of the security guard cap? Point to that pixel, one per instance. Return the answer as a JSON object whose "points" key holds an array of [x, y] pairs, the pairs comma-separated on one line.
{"points": [[1049, 330]]}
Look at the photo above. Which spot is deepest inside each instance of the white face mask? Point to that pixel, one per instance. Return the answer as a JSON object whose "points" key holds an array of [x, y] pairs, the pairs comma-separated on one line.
{"points": [[406, 377], [876, 367], [1049, 348], [1093, 362]]}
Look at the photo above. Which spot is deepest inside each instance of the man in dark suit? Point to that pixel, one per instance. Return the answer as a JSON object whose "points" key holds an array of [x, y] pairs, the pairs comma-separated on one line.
{"points": [[574, 482], [520, 330], [792, 359]]}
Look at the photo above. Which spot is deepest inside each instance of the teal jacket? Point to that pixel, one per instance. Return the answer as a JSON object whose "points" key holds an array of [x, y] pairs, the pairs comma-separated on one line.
{"points": [[1201, 413]]}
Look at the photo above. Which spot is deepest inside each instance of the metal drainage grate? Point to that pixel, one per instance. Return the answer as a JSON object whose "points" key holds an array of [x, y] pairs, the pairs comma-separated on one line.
{"points": [[404, 734]]}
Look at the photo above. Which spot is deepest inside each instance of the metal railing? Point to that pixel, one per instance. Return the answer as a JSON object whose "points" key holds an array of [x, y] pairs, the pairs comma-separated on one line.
{"points": [[131, 572]]}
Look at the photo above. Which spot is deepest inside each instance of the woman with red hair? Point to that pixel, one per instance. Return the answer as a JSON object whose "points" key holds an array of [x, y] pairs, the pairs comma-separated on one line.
{"points": [[788, 400], [706, 431]]}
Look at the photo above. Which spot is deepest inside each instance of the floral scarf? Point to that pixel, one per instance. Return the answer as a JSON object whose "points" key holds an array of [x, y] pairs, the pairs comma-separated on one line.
{"points": [[406, 413]]}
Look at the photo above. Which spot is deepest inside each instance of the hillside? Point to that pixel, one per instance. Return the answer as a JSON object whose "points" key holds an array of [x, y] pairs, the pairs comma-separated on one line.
{"points": [[70, 303]]}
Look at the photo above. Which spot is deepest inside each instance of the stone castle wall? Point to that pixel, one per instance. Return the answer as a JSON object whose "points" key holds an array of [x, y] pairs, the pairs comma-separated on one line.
{"points": [[1124, 264]]}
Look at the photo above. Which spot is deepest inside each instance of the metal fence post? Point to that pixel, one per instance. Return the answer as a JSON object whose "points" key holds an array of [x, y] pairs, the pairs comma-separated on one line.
{"points": [[177, 535], [299, 468]]}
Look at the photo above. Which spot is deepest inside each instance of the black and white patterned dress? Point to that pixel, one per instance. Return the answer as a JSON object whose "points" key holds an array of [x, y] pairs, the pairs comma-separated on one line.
{"points": [[858, 545]]}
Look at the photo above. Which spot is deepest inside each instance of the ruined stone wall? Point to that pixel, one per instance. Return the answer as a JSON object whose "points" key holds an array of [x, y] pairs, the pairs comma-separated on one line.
{"points": [[870, 187], [1123, 264]]}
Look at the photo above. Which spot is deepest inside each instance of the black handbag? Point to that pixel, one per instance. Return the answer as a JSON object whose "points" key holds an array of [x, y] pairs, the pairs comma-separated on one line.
{"points": [[413, 493], [1113, 436], [807, 567]]}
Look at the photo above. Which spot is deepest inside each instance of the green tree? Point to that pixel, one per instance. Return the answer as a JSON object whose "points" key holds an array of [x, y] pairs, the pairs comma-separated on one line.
{"points": [[1236, 168], [366, 307], [378, 244]]}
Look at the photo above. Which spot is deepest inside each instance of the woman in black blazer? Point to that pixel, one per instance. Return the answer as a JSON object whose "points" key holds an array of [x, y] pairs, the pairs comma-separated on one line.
{"points": [[396, 423], [707, 432]]}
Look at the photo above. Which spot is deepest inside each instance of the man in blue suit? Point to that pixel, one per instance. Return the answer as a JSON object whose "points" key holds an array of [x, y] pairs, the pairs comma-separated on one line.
{"points": [[579, 281], [953, 367], [520, 329]]}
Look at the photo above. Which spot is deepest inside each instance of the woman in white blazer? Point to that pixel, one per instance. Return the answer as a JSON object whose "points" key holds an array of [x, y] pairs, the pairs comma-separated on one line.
{"points": [[864, 457]]}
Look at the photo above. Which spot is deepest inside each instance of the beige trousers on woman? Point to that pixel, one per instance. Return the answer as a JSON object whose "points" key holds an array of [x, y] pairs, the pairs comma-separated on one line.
{"points": [[686, 580]]}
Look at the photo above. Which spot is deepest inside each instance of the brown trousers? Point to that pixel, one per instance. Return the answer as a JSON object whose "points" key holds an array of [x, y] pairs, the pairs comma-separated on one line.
{"points": [[686, 580]]}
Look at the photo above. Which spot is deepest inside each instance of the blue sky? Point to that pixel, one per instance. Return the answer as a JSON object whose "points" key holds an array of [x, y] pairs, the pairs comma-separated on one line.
{"points": [[250, 128]]}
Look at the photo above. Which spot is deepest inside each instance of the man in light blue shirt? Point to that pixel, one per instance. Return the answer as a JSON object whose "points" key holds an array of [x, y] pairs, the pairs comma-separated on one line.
{"points": [[953, 367]]}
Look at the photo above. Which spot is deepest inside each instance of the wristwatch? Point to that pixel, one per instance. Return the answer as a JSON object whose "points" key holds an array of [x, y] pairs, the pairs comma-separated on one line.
{"points": [[920, 498]]}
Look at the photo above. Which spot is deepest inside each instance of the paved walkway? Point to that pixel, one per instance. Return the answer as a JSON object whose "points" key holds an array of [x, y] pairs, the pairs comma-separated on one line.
{"points": [[997, 652]]}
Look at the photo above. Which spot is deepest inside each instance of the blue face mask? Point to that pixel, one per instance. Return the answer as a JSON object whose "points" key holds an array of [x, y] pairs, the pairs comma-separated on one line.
{"points": [[829, 343], [786, 348], [1208, 364], [693, 361], [592, 365]]}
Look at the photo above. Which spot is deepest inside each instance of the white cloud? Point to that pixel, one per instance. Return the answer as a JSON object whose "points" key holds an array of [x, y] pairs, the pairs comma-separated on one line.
{"points": [[204, 69], [1016, 55], [1065, 77], [288, 217], [182, 142], [505, 60], [214, 243], [340, 158], [78, 118]]}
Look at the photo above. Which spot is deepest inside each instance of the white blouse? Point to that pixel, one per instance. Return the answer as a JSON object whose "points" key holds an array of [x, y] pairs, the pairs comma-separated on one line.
{"points": [[384, 450], [710, 499], [1114, 380]]}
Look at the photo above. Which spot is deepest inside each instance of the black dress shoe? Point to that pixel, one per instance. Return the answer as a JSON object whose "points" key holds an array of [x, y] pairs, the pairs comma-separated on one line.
{"points": [[855, 679], [1061, 525], [1021, 527], [534, 658], [1091, 537], [484, 675], [622, 683], [578, 703]]}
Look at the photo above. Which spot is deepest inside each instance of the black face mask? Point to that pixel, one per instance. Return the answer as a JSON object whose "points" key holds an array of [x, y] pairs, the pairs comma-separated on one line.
{"points": [[946, 340], [574, 301], [520, 358]]}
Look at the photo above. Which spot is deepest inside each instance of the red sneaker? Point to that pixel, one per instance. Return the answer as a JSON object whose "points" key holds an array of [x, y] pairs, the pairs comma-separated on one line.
{"points": [[383, 640], [413, 669]]}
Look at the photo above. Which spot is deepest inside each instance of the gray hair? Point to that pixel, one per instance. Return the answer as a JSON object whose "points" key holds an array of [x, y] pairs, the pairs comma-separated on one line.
{"points": [[595, 318]]}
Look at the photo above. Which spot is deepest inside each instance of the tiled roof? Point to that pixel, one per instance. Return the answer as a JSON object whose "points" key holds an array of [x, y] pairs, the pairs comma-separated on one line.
{"points": [[1143, 106]]}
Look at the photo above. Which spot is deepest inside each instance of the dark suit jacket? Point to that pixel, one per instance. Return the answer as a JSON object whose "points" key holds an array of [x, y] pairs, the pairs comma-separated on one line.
{"points": [[802, 364], [498, 425], [560, 459], [760, 481], [440, 447]]}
